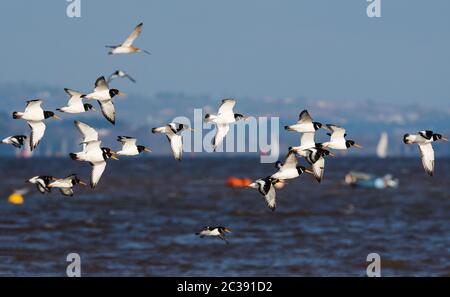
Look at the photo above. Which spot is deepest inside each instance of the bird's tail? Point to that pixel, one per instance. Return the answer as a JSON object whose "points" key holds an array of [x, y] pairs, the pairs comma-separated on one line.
{"points": [[209, 117], [406, 138], [17, 115]]}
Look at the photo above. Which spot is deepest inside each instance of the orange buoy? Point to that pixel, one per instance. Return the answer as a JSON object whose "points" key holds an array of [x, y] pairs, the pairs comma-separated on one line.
{"points": [[236, 182]]}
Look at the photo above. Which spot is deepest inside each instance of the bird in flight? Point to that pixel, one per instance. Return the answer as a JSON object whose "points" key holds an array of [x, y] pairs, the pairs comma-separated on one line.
{"points": [[127, 46], [424, 140], [35, 116]]}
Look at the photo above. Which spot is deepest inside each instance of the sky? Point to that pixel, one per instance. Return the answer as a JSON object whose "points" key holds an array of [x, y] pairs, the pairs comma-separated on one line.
{"points": [[323, 49]]}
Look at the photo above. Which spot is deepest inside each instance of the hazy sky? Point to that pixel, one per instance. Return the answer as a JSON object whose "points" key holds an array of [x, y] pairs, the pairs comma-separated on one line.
{"points": [[315, 48]]}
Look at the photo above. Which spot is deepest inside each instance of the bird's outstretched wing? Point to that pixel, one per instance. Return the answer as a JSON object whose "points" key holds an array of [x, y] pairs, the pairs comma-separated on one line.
{"points": [[132, 37], [127, 142], [101, 85], [33, 106], [66, 191], [304, 117], [96, 173], [318, 168], [37, 132], [290, 162], [75, 97], [226, 107], [427, 155], [87, 132], [268, 190], [221, 132], [337, 133], [108, 110]]}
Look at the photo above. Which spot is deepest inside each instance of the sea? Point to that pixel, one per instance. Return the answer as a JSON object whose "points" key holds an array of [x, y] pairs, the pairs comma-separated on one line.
{"points": [[142, 218]]}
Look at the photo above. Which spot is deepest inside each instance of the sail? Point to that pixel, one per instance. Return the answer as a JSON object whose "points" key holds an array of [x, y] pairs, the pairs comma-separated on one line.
{"points": [[382, 146]]}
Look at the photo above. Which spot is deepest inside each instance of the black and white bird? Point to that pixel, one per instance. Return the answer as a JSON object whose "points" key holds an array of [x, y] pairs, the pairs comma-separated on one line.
{"points": [[225, 116], [215, 232], [337, 139], [96, 156], [35, 116], [16, 140], [266, 188], [315, 156], [127, 46], [104, 95], [75, 103], [66, 184], [304, 124], [424, 139], [42, 182], [129, 147], [173, 133], [120, 74], [289, 169]]}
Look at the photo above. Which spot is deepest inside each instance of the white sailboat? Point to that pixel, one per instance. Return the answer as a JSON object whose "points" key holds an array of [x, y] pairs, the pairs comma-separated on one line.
{"points": [[382, 146]]}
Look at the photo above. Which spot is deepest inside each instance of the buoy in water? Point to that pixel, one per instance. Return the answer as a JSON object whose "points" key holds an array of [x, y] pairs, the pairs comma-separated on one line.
{"points": [[16, 198], [235, 182]]}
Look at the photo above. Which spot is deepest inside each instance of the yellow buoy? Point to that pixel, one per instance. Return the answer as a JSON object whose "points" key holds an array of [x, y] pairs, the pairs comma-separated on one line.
{"points": [[16, 198]]}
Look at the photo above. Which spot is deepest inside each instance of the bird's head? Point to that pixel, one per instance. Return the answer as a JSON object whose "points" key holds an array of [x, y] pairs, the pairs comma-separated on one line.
{"points": [[76, 181], [224, 229], [108, 153], [88, 107], [351, 143], [238, 116], [439, 137], [115, 92], [50, 114], [142, 148], [317, 125]]}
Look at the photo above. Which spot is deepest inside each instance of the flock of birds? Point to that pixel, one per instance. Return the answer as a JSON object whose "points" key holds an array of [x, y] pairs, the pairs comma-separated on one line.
{"points": [[96, 155]]}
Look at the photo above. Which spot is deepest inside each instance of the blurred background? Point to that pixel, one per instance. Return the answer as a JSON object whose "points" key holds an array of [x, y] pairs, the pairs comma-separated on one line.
{"points": [[374, 76]]}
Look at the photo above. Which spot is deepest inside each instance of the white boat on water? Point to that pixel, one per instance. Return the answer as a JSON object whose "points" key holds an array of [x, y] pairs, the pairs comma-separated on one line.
{"points": [[382, 147]]}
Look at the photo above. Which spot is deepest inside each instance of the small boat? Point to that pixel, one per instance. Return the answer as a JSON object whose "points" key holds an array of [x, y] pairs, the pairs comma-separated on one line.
{"points": [[370, 181]]}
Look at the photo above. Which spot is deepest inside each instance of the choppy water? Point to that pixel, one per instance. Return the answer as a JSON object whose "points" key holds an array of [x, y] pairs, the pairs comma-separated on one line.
{"points": [[141, 221]]}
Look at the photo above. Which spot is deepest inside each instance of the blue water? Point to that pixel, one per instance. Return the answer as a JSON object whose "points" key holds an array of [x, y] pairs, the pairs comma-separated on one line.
{"points": [[142, 218]]}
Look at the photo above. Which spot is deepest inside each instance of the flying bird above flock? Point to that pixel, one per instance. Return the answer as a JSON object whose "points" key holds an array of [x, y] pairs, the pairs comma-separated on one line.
{"points": [[312, 152], [127, 46]]}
